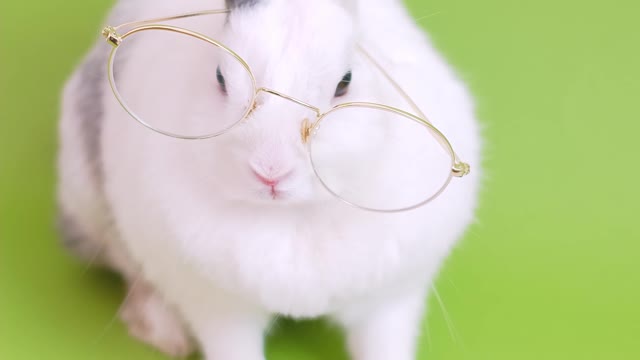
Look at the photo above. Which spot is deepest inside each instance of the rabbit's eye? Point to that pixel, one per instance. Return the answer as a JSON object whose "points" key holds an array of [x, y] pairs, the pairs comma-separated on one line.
{"points": [[343, 85], [223, 85]]}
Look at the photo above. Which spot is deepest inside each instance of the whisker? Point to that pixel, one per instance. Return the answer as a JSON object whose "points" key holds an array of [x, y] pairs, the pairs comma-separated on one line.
{"points": [[429, 16], [453, 284], [272, 324], [109, 325], [452, 330], [93, 258]]}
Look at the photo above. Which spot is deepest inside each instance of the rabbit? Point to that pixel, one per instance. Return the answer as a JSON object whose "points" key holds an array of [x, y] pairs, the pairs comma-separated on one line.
{"points": [[209, 252]]}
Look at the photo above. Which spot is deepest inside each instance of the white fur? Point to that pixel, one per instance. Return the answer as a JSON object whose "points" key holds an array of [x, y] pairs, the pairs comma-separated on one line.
{"points": [[196, 222]]}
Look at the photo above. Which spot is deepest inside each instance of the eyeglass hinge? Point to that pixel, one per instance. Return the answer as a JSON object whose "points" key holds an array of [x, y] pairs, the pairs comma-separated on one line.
{"points": [[460, 169], [112, 37]]}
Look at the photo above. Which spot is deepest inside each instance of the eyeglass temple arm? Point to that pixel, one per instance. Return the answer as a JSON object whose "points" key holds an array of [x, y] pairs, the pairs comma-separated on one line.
{"points": [[174, 17], [110, 33], [460, 168]]}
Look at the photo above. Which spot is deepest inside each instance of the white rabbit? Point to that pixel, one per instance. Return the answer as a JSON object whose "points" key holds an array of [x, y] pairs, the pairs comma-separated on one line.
{"points": [[209, 254]]}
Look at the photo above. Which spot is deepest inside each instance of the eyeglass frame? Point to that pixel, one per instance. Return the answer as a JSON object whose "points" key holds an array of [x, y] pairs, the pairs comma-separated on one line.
{"points": [[458, 167]]}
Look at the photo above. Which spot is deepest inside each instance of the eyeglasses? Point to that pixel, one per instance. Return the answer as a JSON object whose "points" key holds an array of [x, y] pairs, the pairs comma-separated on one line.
{"points": [[372, 156]]}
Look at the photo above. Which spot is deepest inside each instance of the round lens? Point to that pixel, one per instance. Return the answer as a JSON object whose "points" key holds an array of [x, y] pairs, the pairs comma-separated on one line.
{"points": [[180, 85], [380, 159]]}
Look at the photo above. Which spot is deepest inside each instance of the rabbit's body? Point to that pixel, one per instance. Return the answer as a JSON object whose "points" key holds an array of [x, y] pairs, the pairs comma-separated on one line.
{"points": [[187, 220]]}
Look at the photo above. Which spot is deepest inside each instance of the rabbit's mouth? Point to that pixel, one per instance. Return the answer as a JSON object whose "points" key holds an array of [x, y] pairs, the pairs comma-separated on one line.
{"points": [[286, 192], [275, 193], [272, 192]]}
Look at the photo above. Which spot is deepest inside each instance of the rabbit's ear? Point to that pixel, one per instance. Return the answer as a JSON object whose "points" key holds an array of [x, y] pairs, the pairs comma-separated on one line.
{"points": [[231, 4]]}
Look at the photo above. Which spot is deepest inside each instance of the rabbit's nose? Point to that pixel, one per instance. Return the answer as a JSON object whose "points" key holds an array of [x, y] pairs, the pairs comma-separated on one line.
{"points": [[270, 177]]}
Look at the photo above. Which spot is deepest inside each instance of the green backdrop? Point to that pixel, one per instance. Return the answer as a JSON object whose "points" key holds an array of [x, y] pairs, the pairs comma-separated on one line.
{"points": [[551, 271]]}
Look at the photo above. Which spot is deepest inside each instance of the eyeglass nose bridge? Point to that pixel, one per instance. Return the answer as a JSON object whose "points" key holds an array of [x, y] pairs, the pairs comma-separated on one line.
{"points": [[306, 124], [287, 97]]}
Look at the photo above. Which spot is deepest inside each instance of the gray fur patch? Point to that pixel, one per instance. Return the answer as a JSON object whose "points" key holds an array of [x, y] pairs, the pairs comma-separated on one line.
{"points": [[75, 240], [91, 110], [232, 4]]}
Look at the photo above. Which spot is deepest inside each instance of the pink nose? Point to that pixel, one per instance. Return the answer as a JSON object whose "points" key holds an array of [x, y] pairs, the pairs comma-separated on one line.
{"points": [[271, 180]]}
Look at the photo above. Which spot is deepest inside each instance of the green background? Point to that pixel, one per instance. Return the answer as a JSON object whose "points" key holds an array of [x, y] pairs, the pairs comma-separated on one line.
{"points": [[551, 271]]}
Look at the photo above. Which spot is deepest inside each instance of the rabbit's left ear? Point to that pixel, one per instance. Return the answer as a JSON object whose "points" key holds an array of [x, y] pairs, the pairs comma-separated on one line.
{"points": [[232, 4]]}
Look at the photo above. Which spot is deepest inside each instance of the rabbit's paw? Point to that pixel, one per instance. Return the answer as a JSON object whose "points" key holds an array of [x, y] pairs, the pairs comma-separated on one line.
{"points": [[152, 321]]}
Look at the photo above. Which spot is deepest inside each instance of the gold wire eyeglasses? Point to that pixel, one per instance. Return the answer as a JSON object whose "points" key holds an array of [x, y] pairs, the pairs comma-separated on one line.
{"points": [[418, 166]]}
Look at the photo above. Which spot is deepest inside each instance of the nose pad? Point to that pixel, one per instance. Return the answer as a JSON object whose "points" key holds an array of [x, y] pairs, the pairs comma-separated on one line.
{"points": [[305, 130]]}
